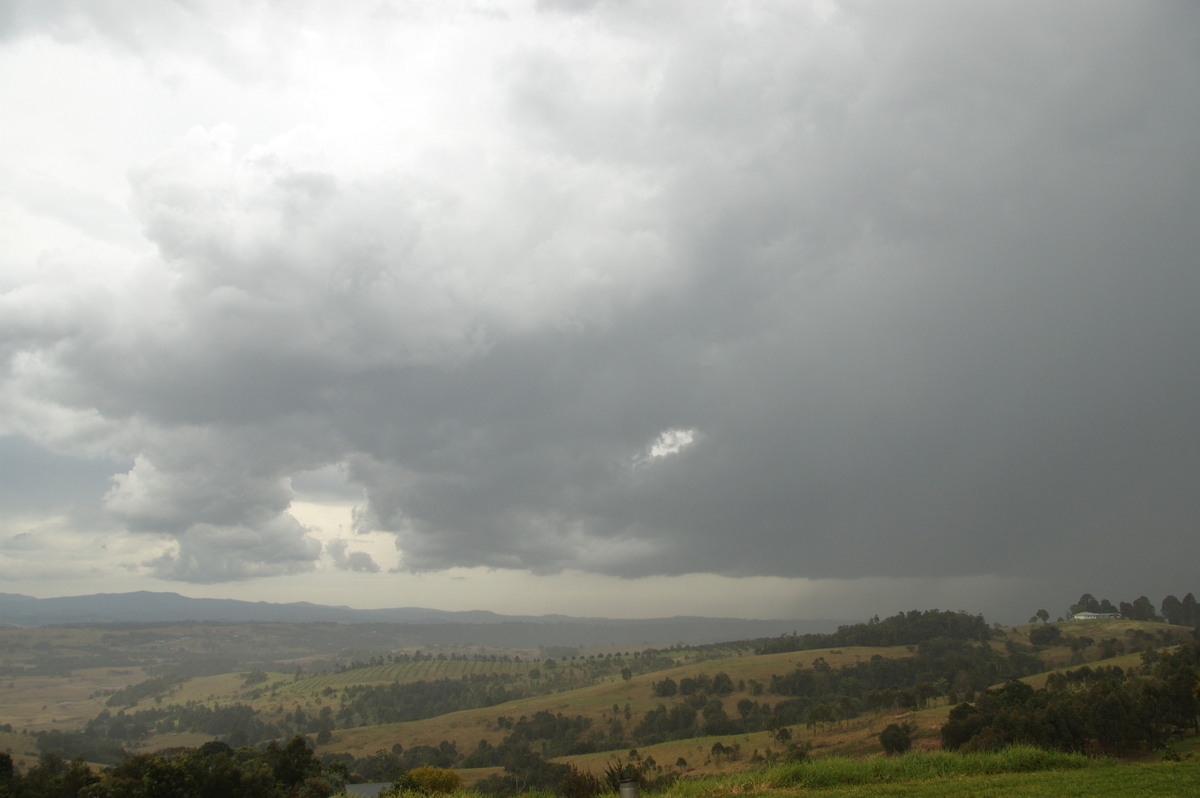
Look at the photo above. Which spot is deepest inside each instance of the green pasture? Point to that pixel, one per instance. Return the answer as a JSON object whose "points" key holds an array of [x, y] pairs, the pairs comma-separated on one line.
{"points": [[860, 779], [1017, 772]]}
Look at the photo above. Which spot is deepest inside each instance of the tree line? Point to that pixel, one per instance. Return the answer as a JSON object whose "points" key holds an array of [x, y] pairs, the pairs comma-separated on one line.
{"points": [[905, 628], [1172, 610], [214, 770]]}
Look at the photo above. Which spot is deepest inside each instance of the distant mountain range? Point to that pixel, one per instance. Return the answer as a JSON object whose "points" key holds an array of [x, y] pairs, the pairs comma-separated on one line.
{"points": [[147, 607], [438, 625]]}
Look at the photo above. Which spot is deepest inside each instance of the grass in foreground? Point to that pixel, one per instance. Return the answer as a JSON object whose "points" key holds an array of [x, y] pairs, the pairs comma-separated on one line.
{"points": [[1102, 781], [1019, 771], [840, 772]]}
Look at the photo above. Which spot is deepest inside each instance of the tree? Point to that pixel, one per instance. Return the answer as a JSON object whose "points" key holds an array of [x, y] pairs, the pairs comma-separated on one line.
{"points": [[293, 763], [715, 719], [846, 708], [8, 774], [53, 776], [896, 738], [819, 715], [1189, 611], [428, 780], [580, 784], [1143, 610], [722, 684], [1172, 610], [1044, 616], [1087, 603]]}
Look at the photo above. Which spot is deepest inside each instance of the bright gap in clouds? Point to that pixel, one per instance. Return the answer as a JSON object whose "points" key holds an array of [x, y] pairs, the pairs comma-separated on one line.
{"points": [[672, 441]]}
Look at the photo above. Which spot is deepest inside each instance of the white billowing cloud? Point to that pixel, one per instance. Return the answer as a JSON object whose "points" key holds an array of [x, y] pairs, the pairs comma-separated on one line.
{"points": [[862, 292], [209, 553], [147, 497], [384, 269]]}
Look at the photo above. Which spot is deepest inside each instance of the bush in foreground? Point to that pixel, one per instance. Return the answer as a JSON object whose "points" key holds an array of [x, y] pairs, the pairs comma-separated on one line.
{"points": [[427, 780]]}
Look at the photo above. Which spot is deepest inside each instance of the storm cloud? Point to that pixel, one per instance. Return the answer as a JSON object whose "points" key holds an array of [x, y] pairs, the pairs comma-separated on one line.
{"points": [[835, 290]]}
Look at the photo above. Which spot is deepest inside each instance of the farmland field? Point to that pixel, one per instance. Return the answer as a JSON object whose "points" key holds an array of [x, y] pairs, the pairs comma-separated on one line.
{"points": [[179, 686]]}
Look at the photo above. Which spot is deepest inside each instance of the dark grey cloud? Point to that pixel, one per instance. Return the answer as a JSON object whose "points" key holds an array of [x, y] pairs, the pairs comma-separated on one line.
{"points": [[351, 560], [912, 343], [917, 281]]}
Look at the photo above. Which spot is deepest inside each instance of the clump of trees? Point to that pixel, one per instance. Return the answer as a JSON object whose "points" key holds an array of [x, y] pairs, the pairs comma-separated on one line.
{"points": [[939, 667], [367, 705], [896, 738], [527, 771], [1103, 710], [128, 696], [700, 684], [237, 724], [1046, 635], [820, 694], [1185, 612]]}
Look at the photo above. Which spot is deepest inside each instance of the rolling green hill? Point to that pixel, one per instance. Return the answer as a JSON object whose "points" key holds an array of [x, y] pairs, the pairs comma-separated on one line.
{"points": [[686, 710]]}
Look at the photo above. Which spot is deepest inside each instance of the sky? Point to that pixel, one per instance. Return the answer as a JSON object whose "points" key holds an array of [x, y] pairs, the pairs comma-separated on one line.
{"points": [[625, 309]]}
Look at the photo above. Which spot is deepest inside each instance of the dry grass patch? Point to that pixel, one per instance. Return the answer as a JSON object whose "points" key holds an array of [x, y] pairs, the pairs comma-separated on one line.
{"points": [[66, 703], [207, 689], [159, 742], [464, 729]]}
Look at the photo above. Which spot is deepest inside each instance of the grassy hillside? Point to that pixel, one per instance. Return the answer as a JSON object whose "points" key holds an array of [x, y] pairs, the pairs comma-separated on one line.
{"points": [[162, 672], [595, 702], [608, 701]]}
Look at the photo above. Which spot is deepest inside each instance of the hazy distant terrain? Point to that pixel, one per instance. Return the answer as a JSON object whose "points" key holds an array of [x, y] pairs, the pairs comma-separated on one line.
{"points": [[380, 701], [422, 626]]}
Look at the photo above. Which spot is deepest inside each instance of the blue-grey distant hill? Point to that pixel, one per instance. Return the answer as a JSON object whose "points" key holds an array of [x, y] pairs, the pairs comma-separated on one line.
{"points": [[148, 607], [435, 626]]}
